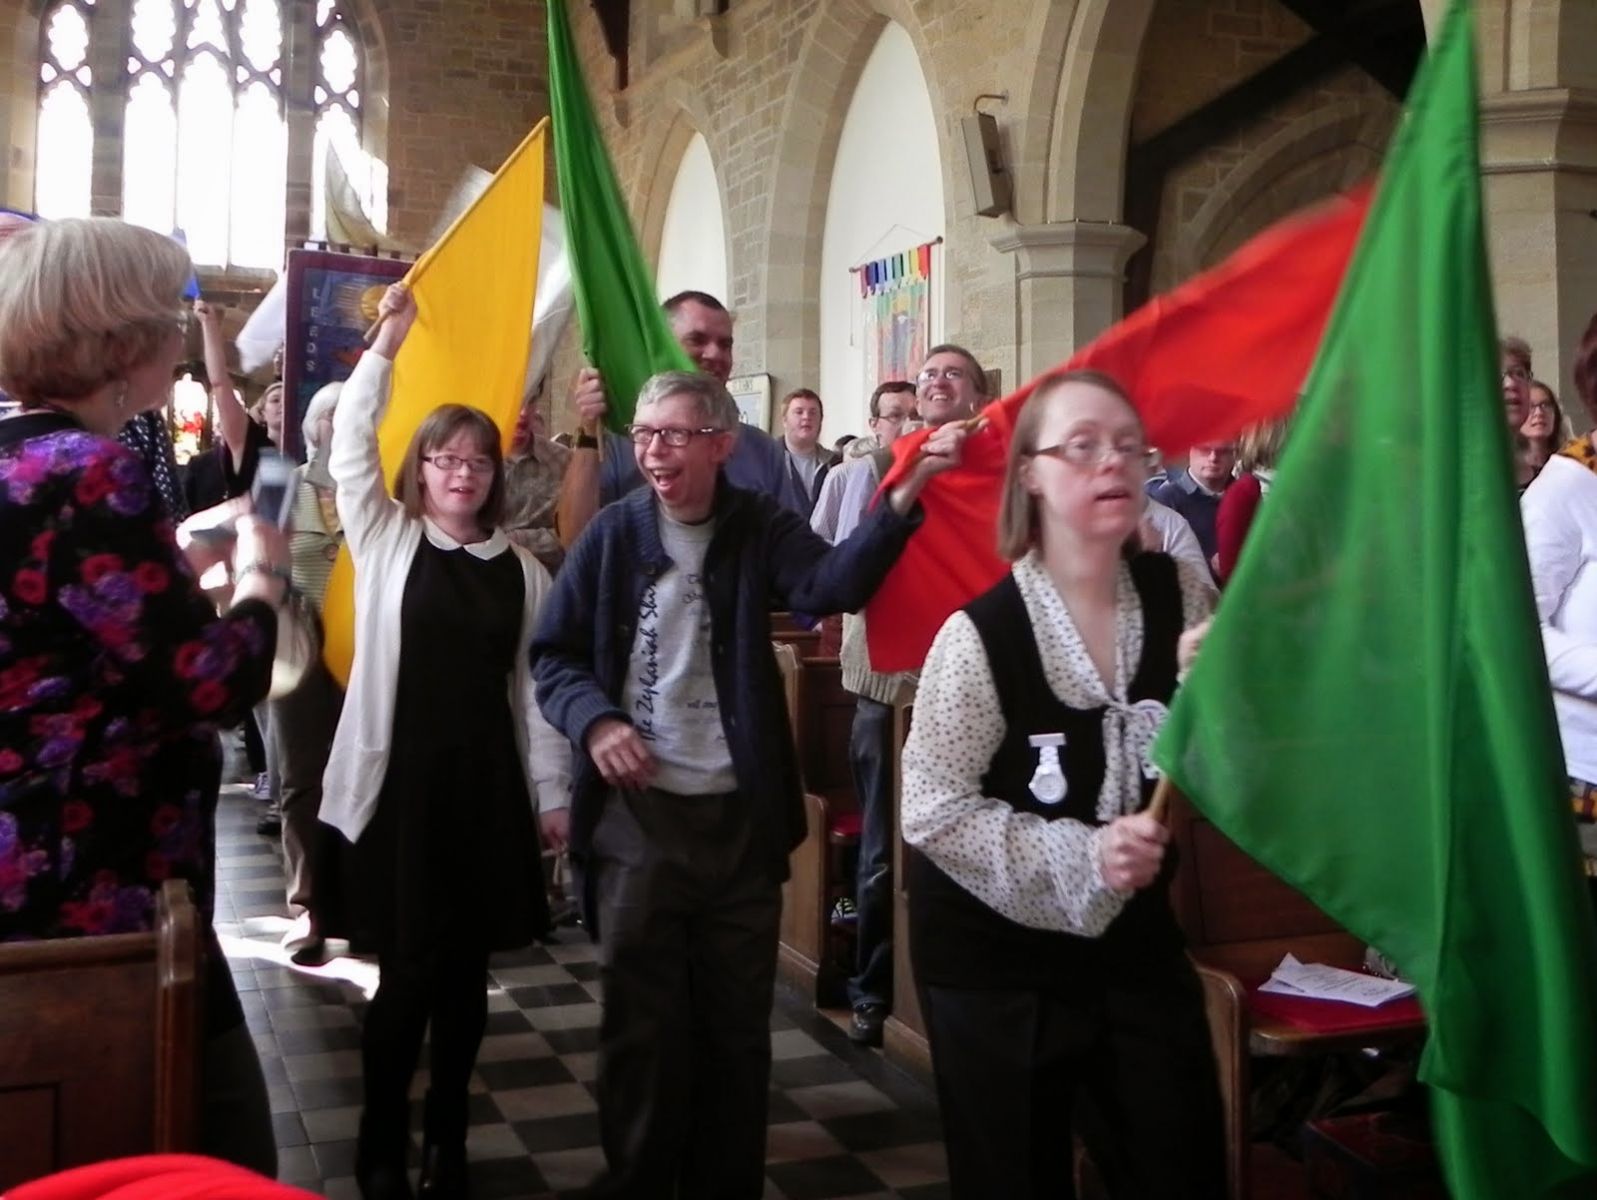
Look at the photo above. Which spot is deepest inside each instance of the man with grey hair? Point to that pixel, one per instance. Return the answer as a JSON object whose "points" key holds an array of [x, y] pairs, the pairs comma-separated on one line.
{"points": [[653, 655]]}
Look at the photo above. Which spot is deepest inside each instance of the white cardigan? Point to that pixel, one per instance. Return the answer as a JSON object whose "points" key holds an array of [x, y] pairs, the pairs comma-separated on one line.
{"points": [[383, 541], [1560, 513]]}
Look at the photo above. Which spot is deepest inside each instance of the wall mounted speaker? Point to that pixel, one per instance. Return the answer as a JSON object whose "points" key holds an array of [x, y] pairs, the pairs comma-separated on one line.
{"points": [[989, 182]]}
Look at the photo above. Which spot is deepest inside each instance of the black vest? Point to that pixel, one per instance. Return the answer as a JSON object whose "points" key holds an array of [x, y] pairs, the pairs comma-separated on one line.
{"points": [[958, 941]]}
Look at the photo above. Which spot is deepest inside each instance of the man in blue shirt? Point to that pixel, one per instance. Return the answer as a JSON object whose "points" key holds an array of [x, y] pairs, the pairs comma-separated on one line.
{"points": [[1195, 492], [599, 474]]}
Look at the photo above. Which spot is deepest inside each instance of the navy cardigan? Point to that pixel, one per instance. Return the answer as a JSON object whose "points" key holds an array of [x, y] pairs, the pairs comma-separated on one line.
{"points": [[761, 557]]}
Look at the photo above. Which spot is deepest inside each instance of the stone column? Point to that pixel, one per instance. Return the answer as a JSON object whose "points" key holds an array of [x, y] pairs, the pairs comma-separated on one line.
{"points": [[299, 111], [108, 103], [1539, 160], [1068, 281]]}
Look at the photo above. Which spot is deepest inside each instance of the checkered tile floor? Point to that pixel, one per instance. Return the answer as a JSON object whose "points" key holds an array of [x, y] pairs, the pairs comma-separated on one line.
{"points": [[843, 1121]]}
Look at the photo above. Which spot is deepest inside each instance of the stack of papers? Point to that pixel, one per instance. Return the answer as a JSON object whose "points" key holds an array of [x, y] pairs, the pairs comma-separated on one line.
{"points": [[1316, 981]]}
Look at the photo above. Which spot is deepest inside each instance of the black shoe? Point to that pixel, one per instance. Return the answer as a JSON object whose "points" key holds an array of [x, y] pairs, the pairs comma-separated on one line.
{"points": [[865, 1027], [443, 1173], [271, 825], [384, 1181]]}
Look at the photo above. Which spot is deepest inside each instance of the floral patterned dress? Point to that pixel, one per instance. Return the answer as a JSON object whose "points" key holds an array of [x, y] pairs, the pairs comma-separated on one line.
{"points": [[115, 673]]}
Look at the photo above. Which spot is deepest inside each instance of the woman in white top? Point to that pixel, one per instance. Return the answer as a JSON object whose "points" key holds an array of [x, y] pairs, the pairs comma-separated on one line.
{"points": [[440, 756], [1051, 970], [1560, 512]]}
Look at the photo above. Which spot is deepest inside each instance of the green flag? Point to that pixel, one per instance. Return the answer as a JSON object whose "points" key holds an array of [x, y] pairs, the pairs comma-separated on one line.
{"points": [[1370, 715], [624, 333]]}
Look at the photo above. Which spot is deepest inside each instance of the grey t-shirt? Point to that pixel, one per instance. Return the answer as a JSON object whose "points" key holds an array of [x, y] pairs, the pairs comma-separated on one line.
{"points": [[670, 690], [807, 466]]}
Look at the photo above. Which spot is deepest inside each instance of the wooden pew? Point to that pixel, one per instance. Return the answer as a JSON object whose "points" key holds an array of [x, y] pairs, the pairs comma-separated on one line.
{"points": [[802, 944], [904, 1035], [1240, 920], [823, 714], [785, 631], [99, 1044]]}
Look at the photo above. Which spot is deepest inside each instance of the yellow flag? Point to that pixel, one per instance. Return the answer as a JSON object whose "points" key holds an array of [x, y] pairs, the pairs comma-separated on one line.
{"points": [[474, 294]]}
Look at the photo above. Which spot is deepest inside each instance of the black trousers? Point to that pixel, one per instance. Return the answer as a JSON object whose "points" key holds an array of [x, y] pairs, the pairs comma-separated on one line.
{"points": [[1130, 1069], [688, 919], [870, 756], [449, 987]]}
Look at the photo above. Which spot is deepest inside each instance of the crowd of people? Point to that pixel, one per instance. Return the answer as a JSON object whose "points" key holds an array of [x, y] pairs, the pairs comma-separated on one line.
{"points": [[598, 615]]}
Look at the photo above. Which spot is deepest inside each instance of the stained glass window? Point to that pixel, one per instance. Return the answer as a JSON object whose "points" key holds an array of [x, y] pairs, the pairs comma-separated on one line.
{"points": [[205, 144], [65, 160], [338, 121]]}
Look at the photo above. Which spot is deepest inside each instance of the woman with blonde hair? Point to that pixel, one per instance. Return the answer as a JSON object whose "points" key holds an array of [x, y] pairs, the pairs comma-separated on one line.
{"points": [[439, 758], [1050, 965], [115, 670], [1258, 450]]}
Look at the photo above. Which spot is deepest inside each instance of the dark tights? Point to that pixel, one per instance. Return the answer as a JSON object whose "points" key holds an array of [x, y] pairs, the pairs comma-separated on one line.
{"points": [[448, 987]]}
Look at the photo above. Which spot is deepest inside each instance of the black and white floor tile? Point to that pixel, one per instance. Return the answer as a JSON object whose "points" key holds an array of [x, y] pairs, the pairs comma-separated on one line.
{"points": [[843, 1122]]}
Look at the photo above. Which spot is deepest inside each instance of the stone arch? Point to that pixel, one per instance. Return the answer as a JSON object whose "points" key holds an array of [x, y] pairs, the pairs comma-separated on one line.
{"points": [[1091, 117], [680, 116], [1316, 155], [836, 47]]}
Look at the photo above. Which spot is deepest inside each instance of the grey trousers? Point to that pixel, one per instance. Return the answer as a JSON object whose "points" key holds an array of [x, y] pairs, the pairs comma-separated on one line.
{"points": [[688, 920], [302, 725]]}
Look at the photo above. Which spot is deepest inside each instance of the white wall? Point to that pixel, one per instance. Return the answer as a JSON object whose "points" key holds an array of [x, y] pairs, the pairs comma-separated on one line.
{"points": [[887, 174], [693, 239]]}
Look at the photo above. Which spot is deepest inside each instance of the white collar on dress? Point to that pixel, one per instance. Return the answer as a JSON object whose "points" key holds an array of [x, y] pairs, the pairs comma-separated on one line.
{"points": [[495, 545]]}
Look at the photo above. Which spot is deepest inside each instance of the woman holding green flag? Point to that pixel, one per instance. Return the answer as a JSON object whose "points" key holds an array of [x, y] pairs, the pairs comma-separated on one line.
{"points": [[1050, 965]]}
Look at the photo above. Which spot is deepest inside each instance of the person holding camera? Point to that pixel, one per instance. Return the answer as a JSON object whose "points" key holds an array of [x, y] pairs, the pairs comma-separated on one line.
{"points": [[115, 670]]}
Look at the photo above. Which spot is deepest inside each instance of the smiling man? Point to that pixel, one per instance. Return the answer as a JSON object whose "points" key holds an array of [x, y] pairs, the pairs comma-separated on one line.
{"points": [[950, 387], [602, 467], [654, 657]]}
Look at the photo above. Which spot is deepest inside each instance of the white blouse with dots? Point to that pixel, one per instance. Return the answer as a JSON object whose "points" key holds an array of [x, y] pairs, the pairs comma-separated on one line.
{"points": [[1039, 873]]}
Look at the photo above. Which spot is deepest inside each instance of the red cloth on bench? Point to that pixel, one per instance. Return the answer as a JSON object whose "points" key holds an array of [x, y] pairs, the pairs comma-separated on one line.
{"points": [[1332, 1016]]}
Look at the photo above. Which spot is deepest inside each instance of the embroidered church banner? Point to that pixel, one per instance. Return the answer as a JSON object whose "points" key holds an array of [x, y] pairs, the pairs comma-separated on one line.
{"points": [[897, 294]]}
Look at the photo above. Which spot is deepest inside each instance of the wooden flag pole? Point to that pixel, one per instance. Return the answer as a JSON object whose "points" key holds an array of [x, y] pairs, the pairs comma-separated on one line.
{"points": [[1159, 806]]}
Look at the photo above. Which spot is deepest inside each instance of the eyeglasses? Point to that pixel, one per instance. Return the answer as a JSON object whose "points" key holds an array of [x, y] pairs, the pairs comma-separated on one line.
{"points": [[933, 374], [453, 462], [1092, 452], [1541, 406], [892, 418], [671, 435], [1518, 374]]}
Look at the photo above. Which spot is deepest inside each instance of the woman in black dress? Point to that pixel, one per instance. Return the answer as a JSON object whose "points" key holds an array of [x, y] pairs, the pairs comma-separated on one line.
{"points": [[439, 757]]}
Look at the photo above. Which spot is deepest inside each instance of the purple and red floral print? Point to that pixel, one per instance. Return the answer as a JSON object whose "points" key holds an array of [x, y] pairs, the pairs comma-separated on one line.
{"points": [[115, 673]]}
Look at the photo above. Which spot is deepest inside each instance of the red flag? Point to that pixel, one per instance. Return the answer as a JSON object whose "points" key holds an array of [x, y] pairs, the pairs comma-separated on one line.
{"points": [[158, 1177], [1227, 349]]}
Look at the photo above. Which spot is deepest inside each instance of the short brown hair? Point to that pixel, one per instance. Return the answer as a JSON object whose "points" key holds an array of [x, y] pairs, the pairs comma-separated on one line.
{"points": [[83, 301], [888, 388], [1017, 511], [441, 425], [801, 394], [977, 375], [1516, 350]]}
